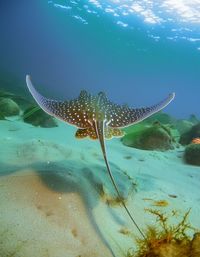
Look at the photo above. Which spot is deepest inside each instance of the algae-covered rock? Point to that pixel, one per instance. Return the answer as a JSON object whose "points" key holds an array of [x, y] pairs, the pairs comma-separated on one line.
{"points": [[187, 137], [152, 137], [192, 154], [183, 126], [8, 107], [194, 119], [22, 101], [37, 117]]}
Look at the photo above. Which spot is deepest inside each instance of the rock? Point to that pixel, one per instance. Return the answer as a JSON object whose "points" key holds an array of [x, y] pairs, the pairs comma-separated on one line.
{"points": [[192, 154], [8, 107], [37, 117], [187, 137], [183, 126], [194, 119], [154, 137], [22, 101]]}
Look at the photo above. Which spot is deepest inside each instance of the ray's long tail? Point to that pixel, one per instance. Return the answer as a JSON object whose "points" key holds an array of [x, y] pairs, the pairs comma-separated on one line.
{"points": [[99, 131]]}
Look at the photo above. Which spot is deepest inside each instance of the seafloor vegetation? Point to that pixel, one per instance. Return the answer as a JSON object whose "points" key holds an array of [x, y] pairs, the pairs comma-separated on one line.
{"points": [[160, 132], [166, 239]]}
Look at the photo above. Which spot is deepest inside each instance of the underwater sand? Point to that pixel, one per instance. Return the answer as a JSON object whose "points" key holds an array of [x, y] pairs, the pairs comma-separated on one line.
{"points": [[53, 189]]}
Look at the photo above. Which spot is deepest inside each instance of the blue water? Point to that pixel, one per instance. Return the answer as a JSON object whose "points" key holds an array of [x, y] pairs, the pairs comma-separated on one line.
{"points": [[56, 196], [135, 51]]}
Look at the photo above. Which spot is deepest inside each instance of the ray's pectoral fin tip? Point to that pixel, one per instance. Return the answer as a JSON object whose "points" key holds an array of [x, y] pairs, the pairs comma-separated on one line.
{"points": [[28, 79]]}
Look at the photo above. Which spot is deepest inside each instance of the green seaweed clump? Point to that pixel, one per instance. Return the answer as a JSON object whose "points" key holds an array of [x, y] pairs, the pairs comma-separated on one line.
{"points": [[108, 199], [165, 240]]}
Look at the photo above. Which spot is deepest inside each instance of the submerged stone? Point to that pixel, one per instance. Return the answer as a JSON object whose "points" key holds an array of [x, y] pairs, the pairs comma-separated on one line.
{"points": [[37, 117], [188, 136], [183, 126], [8, 107], [154, 137], [193, 119], [192, 154]]}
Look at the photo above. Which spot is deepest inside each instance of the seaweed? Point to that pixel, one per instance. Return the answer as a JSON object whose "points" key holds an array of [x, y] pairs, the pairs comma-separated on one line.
{"points": [[158, 203], [108, 199], [30, 111], [37, 117], [164, 235]]}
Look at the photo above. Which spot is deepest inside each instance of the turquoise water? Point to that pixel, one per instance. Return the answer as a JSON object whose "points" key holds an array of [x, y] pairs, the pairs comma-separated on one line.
{"points": [[65, 197], [133, 51]]}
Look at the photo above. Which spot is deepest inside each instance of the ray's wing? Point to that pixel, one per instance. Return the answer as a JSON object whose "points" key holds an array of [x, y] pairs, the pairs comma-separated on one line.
{"points": [[68, 111], [122, 116]]}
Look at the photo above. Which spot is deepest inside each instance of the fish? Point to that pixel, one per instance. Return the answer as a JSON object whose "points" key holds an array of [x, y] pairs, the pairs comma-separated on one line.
{"points": [[98, 118]]}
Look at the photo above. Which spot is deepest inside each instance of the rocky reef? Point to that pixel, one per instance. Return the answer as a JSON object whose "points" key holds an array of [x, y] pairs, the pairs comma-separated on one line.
{"points": [[188, 136], [15, 105], [166, 133]]}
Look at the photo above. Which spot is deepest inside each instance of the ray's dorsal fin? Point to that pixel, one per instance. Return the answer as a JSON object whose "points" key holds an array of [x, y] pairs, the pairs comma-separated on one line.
{"points": [[99, 128], [84, 95]]}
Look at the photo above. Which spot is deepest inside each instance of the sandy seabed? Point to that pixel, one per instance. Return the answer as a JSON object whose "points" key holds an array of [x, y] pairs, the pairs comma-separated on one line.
{"points": [[51, 186]]}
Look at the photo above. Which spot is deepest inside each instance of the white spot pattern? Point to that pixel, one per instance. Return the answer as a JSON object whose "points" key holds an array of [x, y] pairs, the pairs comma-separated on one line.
{"points": [[86, 109]]}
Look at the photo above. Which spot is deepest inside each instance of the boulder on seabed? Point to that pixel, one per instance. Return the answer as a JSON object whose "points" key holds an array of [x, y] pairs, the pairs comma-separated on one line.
{"points": [[8, 107], [183, 125], [192, 154], [152, 137], [37, 117], [194, 119], [188, 136]]}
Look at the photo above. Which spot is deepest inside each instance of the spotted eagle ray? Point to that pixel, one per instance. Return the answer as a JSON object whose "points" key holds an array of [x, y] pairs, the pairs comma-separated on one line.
{"points": [[97, 118]]}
